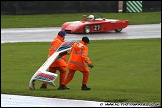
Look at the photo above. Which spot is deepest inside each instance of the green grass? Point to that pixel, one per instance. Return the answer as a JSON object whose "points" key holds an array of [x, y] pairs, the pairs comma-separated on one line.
{"points": [[56, 20], [124, 71]]}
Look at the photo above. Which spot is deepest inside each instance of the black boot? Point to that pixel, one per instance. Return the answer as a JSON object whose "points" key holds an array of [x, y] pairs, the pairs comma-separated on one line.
{"points": [[84, 87], [43, 86], [63, 87]]}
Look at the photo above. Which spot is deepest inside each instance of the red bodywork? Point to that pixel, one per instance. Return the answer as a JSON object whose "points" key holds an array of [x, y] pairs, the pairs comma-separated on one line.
{"points": [[97, 25]]}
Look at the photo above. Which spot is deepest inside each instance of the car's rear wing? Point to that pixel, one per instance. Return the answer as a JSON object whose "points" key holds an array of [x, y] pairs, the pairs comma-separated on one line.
{"points": [[42, 74]]}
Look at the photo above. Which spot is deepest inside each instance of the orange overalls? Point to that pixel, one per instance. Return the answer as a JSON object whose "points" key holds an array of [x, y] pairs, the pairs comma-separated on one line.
{"points": [[60, 63], [78, 61]]}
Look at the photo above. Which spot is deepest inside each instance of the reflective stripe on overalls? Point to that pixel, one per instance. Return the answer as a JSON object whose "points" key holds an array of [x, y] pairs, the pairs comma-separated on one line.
{"points": [[55, 48]]}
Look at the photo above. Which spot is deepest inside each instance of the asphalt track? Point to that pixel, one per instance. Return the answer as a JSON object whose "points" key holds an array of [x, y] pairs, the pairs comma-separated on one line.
{"points": [[46, 35]]}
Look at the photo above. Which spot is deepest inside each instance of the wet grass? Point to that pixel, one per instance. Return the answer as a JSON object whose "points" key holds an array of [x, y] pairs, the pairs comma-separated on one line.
{"points": [[56, 20], [124, 71]]}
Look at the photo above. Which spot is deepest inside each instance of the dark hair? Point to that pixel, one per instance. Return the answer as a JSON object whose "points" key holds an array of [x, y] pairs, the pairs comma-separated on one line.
{"points": [[86, 40]]}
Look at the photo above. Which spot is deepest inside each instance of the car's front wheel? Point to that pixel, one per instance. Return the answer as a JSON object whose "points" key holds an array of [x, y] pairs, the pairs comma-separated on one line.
{"points": [[87, 29], [118, 30]]}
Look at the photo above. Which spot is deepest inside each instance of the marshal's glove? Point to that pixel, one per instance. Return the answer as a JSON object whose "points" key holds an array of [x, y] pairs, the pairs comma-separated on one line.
{"points": [[91, 66]]}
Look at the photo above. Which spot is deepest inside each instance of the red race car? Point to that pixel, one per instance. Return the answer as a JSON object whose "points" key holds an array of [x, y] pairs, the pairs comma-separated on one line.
{"points": [[94, 24]]}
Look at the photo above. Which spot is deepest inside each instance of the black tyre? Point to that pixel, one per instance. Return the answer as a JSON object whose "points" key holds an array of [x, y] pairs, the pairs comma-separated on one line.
{"points": [[87, 29], [118, 30]]}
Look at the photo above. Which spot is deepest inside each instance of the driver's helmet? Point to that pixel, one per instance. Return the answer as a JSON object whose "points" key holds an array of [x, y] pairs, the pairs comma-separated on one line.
{"points": [[91, 17]]}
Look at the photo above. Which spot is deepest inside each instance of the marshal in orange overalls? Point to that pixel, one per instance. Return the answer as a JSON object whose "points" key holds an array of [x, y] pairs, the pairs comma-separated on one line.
{"points": [[60, 63], [78, 61]]}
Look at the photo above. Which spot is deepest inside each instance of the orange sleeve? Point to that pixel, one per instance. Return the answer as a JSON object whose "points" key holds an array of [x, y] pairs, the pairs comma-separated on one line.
{"points": [[85, 55]]}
